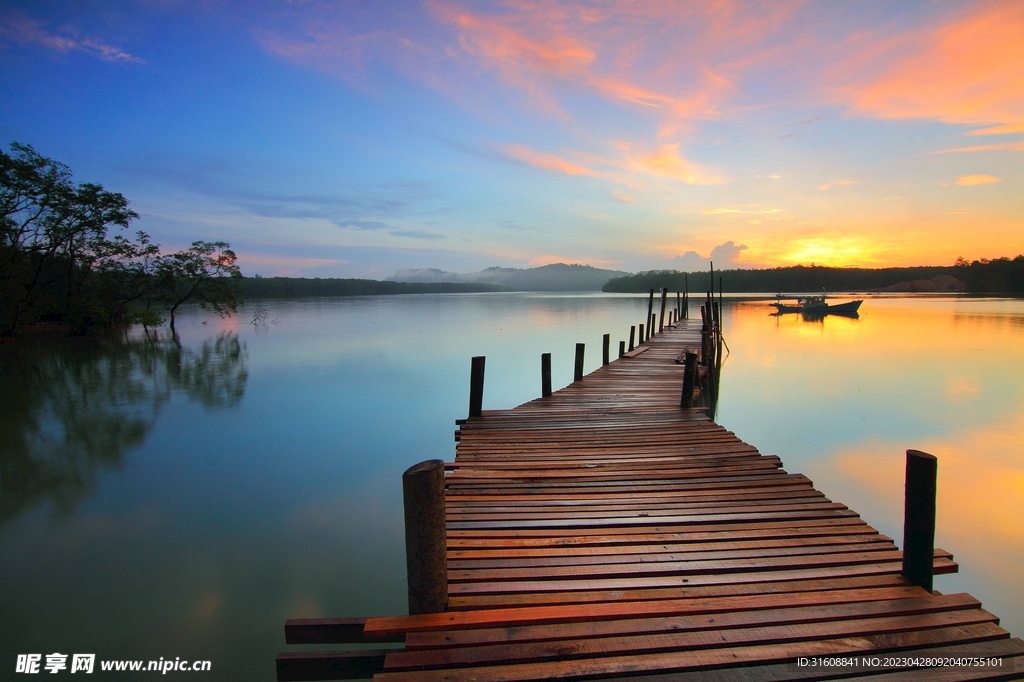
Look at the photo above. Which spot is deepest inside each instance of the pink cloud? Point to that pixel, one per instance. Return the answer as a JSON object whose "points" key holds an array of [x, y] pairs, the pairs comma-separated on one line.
{"points": [[967, 70]]}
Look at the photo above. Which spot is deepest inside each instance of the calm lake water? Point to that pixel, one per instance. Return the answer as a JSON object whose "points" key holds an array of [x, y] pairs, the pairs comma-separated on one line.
{"points": [[164, 501]]}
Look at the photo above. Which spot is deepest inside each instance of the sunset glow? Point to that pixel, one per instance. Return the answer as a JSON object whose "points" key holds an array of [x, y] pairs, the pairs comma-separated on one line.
{"points": [[355, 139]]}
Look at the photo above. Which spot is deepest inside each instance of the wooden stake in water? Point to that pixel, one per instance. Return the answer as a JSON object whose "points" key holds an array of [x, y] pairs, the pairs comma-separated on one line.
{"points": [[632, 335], [919, 518], [476, 386], [426, 555], [605, 348], [545, 374], [661, 317], [577, 373]]}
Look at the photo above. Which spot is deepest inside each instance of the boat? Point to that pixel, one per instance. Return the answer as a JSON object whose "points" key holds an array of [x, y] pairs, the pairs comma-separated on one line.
{"points": [[816, 305]]}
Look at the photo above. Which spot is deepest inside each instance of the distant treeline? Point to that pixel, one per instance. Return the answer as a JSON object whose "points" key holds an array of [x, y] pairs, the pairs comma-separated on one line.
{"points": [[998, 276], [297, 287]]}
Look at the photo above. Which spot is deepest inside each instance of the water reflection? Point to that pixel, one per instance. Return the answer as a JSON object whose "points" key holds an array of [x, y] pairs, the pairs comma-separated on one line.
{"points": [[69, 411]]}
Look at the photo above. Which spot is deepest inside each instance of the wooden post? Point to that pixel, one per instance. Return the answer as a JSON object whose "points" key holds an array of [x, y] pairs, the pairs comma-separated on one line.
{"points": [[650, 311], [606, 341], [689, 377], [641, 334], [679, 306], [622, 348], [632, 334], [545, 374], [577, 373], [686, 296], [919, 518], [652, 321], [661, 317], [426, 557], [476, 387], [721, 305]]}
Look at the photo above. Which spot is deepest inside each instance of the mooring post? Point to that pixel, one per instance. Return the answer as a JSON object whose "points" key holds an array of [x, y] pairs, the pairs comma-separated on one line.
{"points": [[661, 317], [426, 558], [622, 348], [545, 374], [686, 296], [679, 306], [689, 378], [650, 311], [654, 323], [577, 373], [641, 334], [476, 387], [632, 334], [606, 341], [919, 518]]}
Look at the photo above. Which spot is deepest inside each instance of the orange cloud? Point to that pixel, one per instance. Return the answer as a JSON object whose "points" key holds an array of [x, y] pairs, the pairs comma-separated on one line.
{"points": [[1004, 146], [972, 180], [970, 70], [545, 161], [665, 161], [1000, 130]]}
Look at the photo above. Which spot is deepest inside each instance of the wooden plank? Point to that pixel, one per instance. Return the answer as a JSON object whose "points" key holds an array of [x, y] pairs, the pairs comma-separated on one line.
{"points": [[701, 658]]}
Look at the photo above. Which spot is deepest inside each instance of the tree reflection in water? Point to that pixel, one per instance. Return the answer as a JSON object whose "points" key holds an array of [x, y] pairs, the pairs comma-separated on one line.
{"points": [[67, 410]]}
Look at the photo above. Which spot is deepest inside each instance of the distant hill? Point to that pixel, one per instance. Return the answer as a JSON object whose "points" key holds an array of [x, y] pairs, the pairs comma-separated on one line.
{"points": [[556, 277], [297, 287]]}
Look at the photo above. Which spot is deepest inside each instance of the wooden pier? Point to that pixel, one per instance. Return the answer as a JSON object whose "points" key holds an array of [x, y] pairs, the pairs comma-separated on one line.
{"points": [[604, 532]]}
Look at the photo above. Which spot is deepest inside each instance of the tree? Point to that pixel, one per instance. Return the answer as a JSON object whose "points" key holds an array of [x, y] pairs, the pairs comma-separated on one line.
{"points": [[206, 273], [52, 236]]}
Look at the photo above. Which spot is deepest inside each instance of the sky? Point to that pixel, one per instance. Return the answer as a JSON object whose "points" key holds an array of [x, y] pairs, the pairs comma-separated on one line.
{"points": [[354, 139]]}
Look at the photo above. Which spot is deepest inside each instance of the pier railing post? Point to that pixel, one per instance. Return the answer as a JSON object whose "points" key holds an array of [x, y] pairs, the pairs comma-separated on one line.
{"points": [[577, 373], [919, 518], [689, 378], [476, 387], [545, 374], [661, 317], [606, 341], [426, 554], [632, 335]]}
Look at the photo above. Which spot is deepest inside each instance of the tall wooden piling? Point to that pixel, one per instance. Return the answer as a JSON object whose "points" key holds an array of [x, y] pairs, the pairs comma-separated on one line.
{"points": [[606, 341], [476, 386], [545, 374], [426, 557], [919, 518], [650, 311], [577, 373], [632, 335], [689, 379], [661, 317], [641, 334], [686, 296]]}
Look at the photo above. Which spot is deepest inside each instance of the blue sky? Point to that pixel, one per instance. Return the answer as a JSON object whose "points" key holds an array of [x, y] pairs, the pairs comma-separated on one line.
{"points": [[355, 139]]}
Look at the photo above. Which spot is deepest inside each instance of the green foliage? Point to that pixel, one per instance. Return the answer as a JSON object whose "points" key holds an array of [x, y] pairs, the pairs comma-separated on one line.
{"points": [[206, 273], [58, 263]]}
